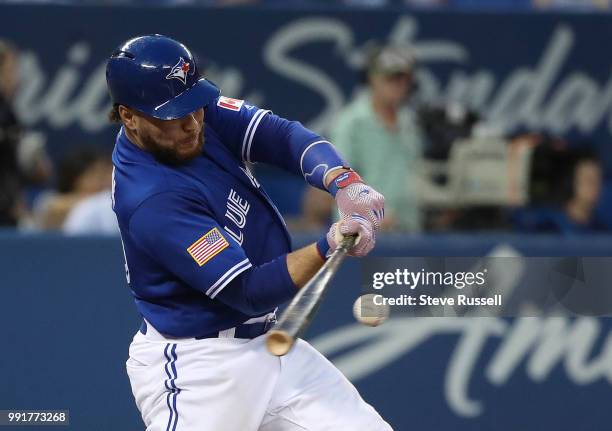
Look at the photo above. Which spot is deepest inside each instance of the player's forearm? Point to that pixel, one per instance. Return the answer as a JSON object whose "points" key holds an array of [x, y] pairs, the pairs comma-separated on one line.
{"points": [[260, 288], [264, 287], [302, 264]]}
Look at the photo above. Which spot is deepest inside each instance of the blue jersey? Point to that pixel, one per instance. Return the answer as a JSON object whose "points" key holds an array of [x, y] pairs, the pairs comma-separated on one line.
{"points": [[198, 236]]}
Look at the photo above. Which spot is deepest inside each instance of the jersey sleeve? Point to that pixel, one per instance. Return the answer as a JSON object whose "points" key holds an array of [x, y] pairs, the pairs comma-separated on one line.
{"points": [[180, 234], [235, 121], [257, 135]]}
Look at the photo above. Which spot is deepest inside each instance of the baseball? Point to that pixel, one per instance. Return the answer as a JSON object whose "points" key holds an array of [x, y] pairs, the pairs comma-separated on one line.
{"points": [[368, 313]]}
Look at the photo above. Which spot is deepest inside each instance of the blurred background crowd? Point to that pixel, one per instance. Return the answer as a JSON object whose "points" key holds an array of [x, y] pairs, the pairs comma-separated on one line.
{"points": [[37, 192], [442, 166], [524, 4]]}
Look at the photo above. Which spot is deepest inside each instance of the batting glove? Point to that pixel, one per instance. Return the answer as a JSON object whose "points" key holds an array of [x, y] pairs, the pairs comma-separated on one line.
{"points": [[354, 197], [355, 225]]}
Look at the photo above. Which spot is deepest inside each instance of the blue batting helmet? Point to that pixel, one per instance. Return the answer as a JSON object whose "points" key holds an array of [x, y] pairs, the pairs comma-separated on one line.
{"points": [[157, 76]]}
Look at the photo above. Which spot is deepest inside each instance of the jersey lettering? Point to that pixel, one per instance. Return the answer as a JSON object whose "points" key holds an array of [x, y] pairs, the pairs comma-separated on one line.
{"points": [[237, 210]]}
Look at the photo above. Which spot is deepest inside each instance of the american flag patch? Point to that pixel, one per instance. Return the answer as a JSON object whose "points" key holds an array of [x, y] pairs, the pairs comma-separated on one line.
{"points": [[208, 246]]}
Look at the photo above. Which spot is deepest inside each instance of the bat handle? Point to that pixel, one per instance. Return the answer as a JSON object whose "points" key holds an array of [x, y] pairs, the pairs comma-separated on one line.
{"points": [[347, 243]]}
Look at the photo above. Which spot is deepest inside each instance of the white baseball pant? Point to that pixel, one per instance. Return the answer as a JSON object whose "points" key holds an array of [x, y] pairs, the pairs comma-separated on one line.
{"points": [[230, 384]]}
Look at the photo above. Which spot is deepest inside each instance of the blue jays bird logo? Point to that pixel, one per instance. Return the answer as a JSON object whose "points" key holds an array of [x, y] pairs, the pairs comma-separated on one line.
{"points": [[180, 71]]}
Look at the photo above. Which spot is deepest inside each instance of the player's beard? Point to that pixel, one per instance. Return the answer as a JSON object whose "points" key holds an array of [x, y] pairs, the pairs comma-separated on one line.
{"points": [[171, 156]]}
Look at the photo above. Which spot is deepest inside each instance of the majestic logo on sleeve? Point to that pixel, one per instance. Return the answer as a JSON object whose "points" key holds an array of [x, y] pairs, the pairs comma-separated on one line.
{"points": [[180, 71], [208, 246]]}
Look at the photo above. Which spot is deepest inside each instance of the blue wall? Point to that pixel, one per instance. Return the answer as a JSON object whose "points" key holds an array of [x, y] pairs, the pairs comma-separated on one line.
{"points": [[67, 319]]}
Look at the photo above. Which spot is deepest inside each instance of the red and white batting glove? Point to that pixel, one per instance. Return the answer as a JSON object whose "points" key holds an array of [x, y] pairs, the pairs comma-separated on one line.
{"points": [[356, 225], [354, 197], [361, 213]]}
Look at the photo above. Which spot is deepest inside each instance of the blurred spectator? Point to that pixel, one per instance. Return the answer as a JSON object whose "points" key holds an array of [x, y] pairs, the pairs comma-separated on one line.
{"points": [[426, 3], [81, 174], [490, 4], [572, 4], [378, 135], [23, 156], [92, 215], [381, 3], [11, 204], [564, 192]]}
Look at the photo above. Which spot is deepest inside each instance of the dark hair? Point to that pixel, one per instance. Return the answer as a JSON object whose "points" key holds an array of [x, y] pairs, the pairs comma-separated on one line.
{"points": [[73, 165], [374, 52], [113, 114]]}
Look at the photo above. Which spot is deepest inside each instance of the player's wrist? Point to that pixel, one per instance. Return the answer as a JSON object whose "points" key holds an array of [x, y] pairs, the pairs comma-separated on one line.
{"points": [[343, 179], [332, 173], [323, 247]]}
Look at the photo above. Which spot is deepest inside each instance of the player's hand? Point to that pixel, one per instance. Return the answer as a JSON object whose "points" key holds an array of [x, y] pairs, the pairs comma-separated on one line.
{"points": [[354, 225], [354, 197]]}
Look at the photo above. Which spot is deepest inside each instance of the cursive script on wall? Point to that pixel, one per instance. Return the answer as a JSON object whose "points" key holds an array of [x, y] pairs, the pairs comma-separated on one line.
{"points": [[548, 94]]}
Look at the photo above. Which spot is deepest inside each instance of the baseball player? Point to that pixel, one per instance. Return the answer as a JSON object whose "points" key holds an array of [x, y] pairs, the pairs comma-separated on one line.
{"points": [[208, 256]]}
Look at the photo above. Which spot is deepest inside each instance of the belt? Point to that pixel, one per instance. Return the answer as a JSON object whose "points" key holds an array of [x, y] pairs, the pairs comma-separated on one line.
{"points": [[250, 329]]}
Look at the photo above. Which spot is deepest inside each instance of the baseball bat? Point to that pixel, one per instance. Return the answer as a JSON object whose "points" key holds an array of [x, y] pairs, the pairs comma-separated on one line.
{"points": [[300, 312]]}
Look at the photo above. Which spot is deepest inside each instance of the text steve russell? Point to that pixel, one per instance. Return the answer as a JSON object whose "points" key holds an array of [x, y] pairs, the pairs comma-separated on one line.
{"points": [[495, 300]]}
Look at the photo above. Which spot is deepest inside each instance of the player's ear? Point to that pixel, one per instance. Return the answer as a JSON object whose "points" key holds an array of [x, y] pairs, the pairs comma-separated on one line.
{"points": [[127, 117]]}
